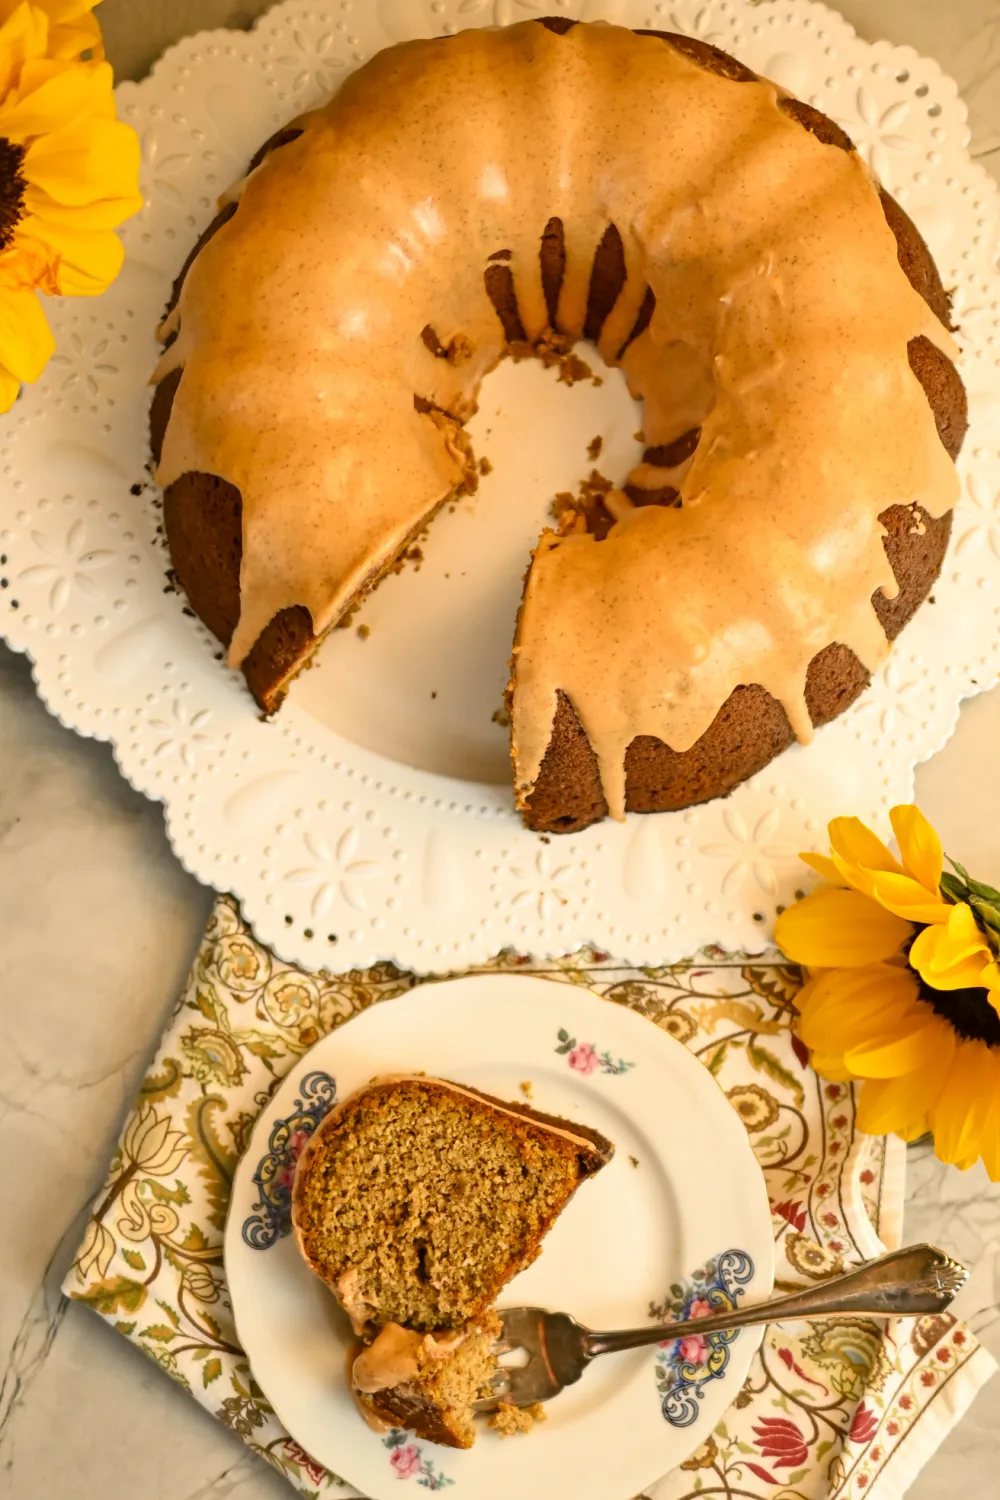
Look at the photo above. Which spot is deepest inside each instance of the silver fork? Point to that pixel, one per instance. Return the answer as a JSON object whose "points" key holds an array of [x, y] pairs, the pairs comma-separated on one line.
{"points": [[905, 1283]]}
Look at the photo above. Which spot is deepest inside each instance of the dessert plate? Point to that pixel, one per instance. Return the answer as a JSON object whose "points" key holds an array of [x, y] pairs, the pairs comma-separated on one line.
{"points": [[680, 1213], [373, 818]]}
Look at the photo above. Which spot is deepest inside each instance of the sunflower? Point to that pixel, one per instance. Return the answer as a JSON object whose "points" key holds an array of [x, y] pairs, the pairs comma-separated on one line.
{"points": [[903, 987], [68, 174]]}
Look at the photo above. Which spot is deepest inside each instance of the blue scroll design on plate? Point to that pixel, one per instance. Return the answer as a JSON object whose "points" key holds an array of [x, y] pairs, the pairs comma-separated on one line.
{"points": [[684, 1367], [271, 1218]]}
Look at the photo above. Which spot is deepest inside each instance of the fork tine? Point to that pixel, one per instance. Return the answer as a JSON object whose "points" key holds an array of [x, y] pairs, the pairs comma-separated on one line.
{"points": [[500, 1388]]}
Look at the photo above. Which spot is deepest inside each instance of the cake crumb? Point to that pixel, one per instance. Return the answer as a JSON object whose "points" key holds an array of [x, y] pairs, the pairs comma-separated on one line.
{"points": [[485, 467], [634, 1160], [586, 511], [460, 349], [364, 631], [594, 448], [526, 1089], [509, 1420], [501, 716], [639, 436], [573, 369]]}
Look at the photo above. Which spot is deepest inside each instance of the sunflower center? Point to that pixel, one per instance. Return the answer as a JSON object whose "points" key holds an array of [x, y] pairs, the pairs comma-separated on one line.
{"points": [[968, 1012], [12, 187]]}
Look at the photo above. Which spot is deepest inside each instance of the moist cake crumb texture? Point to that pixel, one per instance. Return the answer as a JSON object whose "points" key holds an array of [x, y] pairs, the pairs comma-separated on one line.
{"points": [[510, 1421]]}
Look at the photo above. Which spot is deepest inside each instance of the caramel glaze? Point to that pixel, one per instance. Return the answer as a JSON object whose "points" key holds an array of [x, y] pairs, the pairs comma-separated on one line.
{"points": [[758, 298]]}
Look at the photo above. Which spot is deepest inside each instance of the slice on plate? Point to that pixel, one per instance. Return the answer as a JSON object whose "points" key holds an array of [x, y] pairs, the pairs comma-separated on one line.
{"points": [[417, 1200]]}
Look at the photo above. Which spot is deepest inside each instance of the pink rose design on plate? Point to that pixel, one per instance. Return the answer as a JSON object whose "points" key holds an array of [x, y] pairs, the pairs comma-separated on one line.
{"points": [[688, 1361], [406, 1461], [692, 1349], [583, 1058], [293, 1151]]}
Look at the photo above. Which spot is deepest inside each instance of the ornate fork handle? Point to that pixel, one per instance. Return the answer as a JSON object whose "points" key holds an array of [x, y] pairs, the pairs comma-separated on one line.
{"points": [[904, 1283]]}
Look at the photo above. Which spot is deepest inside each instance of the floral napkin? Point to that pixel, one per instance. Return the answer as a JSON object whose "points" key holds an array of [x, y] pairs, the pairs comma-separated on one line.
{"points": [[828, 1411]]}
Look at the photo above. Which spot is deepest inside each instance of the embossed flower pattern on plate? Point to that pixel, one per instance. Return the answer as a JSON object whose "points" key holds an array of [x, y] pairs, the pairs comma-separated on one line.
{"points": [[161, 168], [979, 518], [78, 363], [545, 883], [69, 564], [317, 64], [338, 871], [750, 853], [182, 731]]}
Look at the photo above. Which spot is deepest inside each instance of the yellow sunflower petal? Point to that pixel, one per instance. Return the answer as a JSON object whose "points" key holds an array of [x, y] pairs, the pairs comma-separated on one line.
{"points": [[989, 1143], [961, 976], [831, 1066], [56, 95], [891, 1106], [907, 1045], [85, 263], [960, 1114], [58, 12], [833, 929], [990, 979], [855, 843], [919, 845], [26, 340], [88, 89], [106, 214], [952, 956], [900, 1105], [9, 388], [823, 866], [856, 1004], [908, 898], [24, 35], [86, 163], [72, 39], [826, 985]]}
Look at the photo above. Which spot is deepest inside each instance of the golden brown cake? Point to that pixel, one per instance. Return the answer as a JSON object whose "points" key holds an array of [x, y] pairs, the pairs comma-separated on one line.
{"points": [[723, 244], [416, 1201]]}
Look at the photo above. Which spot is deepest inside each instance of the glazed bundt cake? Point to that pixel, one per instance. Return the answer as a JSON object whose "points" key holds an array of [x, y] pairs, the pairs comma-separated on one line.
{"points": [[417, 1200], [722, 243]]}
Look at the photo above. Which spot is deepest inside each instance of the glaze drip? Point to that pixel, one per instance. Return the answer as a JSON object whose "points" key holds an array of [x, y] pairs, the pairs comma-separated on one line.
{"points": [[759, 271]]}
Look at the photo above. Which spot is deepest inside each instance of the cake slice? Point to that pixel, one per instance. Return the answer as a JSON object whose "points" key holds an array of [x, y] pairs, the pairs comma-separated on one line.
{"points": [[417, 1200]]}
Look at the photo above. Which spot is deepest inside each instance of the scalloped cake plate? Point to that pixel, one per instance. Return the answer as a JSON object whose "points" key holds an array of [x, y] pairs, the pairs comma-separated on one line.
{"points": [[374, 817], [648, 1220]]}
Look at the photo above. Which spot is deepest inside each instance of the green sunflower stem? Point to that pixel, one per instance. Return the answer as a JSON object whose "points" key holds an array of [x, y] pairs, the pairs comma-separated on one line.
{"points": [[982, 900]]}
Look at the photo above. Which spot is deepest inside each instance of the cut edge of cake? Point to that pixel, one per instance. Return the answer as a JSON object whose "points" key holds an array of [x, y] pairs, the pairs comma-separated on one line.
{"points": [[428, 1380]]}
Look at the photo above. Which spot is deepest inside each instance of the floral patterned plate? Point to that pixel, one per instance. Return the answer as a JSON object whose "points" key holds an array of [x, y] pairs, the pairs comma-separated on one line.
{"points": [[678, 1222]]}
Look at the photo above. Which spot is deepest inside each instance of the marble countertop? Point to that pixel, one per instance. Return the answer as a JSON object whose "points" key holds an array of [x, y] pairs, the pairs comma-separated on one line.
{"points": [[99, 923]]}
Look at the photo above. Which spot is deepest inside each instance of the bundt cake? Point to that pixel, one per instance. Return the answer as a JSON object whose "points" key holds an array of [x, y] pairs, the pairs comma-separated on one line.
{"points": [[723, 244], [417, 1200]]}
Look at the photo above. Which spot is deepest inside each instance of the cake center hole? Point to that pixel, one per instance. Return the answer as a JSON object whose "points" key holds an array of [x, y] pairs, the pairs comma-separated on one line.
{"points": [[419, 673]]}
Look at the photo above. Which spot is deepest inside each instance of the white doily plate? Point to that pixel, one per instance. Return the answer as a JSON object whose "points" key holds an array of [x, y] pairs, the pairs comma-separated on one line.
{"points": [[341, 845]]}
